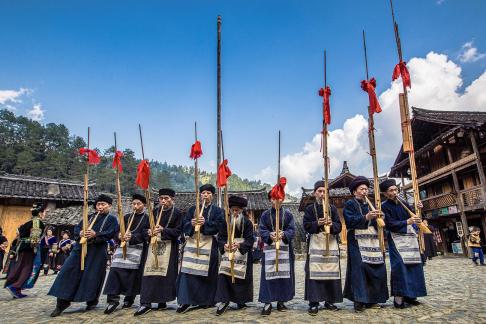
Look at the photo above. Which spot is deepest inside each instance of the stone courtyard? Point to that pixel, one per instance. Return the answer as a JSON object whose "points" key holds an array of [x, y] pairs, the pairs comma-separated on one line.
{"points": [[456, 287]]}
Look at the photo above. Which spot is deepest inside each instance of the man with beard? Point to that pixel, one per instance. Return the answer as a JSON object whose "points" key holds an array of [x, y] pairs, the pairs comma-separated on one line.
{"points": [[125, 274], [74, 284], [241, 291], [160, 274]]}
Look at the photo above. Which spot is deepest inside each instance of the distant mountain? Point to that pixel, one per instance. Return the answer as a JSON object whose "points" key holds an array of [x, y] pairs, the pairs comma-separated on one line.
{"points": [[51, 151]]}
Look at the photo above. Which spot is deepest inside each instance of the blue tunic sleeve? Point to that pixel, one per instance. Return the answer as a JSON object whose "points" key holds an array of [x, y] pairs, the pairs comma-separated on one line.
{"points": [[336, 226], [109, 231], [265, 227], [310, 221], [247, 244], [187, 227], [213, 222], [289, 230], [353, 217], [394, 221], [175, 230]]}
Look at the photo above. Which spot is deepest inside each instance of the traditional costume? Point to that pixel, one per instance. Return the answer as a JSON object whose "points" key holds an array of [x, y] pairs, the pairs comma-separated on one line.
{"points": [[366, 270], [322, 272], [197, 281], [126, 272], [407, 273], [160, 275], [74, 284], [23, 273], [241, 291], [64, 247], [276, 285], [48, 246]]}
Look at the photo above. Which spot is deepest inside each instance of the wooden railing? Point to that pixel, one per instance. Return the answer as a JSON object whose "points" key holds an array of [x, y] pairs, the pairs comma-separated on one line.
{"points": [[439, 201], [473, 198]]}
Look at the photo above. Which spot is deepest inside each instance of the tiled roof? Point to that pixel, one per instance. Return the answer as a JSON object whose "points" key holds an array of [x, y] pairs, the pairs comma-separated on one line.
{"points": [[454, 118], [28, 187]]}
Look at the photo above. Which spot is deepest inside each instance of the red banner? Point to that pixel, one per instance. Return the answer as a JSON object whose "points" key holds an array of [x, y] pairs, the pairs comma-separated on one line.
{"points": [[401, 70], [196, 150], [369, 87], [224, 173], [93, 157], [117, 161], [278, 191], [325, 93], [143, 175]]}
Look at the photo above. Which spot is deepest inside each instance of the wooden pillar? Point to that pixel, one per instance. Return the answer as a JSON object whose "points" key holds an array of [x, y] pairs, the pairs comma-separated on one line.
{"points": [[461, 205], [479, 164]]}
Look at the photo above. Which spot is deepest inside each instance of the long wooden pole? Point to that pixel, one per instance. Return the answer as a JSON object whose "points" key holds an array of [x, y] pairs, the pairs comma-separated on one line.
{"points": [[407, 134], [121, 219], [277, 210], [82, 240], [325, 157], [218, 96], [376, 183], [153, 239], [197, 228]]}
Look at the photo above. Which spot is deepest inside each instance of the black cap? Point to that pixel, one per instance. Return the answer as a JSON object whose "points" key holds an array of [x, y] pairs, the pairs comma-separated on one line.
{"points": [[167, 192], [387, 184], [38, 207], [318, 184], [207, 187], [104, 198], [358, 181], [140, 197], [237, 201]]}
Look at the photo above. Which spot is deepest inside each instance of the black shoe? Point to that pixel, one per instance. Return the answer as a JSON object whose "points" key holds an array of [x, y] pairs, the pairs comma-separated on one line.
{"points": [[182, 308], [242, 306], [222, 309], [359, 307], [127, 304], [399, 306], [313, 310], [142, 310], [162, 306], [411, 301], [56, 312], [90, 307], [330, 306], [267, 310], [111, 307], [475, 262], [373, 306], [281, 307]]}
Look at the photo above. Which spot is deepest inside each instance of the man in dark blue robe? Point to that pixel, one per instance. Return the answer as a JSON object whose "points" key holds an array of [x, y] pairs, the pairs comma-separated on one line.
{"points": [[159, 283], [366, 270], [280, 285], [407, 273], [241, 291], [328, 288], [125, 274], [197, 281], [71, 283]]}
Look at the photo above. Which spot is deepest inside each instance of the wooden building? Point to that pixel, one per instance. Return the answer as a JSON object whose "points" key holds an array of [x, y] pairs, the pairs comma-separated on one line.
{"points": [[338, 194], [450, 153], [18, 193]]}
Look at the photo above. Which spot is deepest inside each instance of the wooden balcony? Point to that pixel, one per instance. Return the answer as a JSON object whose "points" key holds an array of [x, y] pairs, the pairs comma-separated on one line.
{"points": [[439, 201], [473, 198]]}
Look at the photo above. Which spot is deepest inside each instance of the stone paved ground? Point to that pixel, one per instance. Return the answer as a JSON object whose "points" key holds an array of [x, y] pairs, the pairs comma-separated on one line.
{"points": [[457, 293]]}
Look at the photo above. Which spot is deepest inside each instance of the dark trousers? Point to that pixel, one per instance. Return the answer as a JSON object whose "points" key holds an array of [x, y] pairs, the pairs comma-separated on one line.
{"points": [[478, 254], [113, 299]]}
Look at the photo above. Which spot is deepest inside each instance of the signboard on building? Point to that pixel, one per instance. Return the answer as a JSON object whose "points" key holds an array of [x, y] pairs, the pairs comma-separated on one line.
{"points": [[460, 230]]}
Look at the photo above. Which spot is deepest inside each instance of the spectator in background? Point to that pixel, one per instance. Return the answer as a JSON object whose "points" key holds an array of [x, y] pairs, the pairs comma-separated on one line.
{"points": [[3, 247], [430, 246]]}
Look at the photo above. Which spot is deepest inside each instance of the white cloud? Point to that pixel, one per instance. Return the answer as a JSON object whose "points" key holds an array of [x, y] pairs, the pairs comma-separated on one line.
{"points": [[36, 113], [469, 53], [436, 82], [12, 96]]}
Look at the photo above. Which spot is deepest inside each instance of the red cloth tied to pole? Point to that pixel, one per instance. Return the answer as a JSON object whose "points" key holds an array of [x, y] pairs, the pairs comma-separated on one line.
{"points": [[93, 157], [369, 86], [325, 93], [224, 173], [278, 191], [196, 150], [143, 174], [117, 161], [401, 70]]}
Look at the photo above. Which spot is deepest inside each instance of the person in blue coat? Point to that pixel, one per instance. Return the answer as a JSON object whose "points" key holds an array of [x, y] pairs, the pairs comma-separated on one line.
{"points": [[407, 273], [277, 286], [366, 282], [71, 283], [197, 284]]}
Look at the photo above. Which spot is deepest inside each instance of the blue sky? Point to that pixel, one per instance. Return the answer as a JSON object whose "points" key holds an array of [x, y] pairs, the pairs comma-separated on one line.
{"points": [[113, 64]]}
